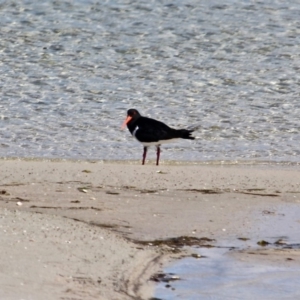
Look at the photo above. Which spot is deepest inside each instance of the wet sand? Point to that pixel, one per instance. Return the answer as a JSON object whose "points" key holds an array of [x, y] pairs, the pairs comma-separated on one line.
{"points": [[74, 229]]}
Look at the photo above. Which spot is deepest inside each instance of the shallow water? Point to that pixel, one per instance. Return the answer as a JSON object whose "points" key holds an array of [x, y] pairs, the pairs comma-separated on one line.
{"points": [[69, 71], [219, 275]]}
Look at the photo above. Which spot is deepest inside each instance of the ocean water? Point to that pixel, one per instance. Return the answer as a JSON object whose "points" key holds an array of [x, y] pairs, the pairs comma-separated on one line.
{"points": [[69, 70]]}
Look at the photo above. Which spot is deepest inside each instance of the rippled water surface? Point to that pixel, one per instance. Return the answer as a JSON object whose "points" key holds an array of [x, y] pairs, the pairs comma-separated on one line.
{"points": [[69, 70]]}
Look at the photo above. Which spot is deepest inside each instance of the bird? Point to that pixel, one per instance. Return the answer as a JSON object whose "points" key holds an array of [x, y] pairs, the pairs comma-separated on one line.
{"points": [[151, 132]]}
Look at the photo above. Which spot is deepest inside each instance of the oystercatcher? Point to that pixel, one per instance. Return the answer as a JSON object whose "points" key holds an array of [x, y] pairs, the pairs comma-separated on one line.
{"points": [[152, 132]]}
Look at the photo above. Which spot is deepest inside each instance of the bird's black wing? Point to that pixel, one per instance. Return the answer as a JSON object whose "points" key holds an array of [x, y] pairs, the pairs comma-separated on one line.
{"points": [[150, 130]]}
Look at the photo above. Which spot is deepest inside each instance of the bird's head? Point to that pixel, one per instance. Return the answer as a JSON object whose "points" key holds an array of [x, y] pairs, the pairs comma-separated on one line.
{"points": [[132, 114]]}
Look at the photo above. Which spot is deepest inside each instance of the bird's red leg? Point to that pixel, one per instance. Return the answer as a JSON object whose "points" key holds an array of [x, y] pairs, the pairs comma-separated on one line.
{"points": [[144, 155], [157, 155]]}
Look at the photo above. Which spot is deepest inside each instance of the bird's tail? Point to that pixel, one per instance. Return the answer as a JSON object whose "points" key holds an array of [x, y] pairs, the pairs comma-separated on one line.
{"points": [[185, 134]]}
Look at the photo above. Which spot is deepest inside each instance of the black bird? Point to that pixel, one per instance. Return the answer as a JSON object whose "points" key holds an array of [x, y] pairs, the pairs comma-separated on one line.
{"points": [[152, 132]]}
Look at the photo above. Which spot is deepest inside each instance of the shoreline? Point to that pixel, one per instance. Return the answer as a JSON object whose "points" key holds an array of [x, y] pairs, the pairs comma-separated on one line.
{"points": [[237, 163], [125, 203]]}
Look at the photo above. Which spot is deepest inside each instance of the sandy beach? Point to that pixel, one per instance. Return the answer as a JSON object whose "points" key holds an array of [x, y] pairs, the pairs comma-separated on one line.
{"points": [[77, 229]]}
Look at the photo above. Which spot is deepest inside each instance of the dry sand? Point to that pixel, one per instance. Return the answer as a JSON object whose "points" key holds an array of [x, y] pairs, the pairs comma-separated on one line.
{"points": [[68, 229]]}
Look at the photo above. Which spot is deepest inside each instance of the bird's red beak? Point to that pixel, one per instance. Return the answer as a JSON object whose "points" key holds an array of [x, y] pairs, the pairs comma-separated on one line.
{"points": [[125, 122]]}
